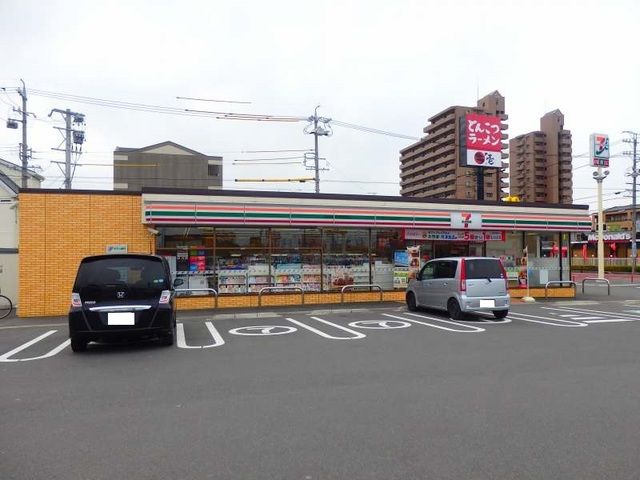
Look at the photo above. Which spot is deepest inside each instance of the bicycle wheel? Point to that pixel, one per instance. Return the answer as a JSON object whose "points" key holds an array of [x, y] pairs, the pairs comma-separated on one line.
{"points": [[5, 306]]}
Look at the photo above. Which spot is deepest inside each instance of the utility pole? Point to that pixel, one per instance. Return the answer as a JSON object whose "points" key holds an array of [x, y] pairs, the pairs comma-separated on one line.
{"points": [[13, 123], [71, 136], [24, 152], [634, 175], [314, 128]]}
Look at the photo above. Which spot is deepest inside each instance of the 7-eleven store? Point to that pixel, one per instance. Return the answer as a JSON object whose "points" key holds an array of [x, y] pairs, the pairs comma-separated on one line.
{"points": [[238, 243]]}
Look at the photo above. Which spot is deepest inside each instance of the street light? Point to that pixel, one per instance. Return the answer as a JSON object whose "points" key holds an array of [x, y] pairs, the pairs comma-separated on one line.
{"points": [[599, 176]]}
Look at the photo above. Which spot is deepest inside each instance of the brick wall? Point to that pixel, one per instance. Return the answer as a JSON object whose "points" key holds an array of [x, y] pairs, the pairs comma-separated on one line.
{"points": [[57, 230]]}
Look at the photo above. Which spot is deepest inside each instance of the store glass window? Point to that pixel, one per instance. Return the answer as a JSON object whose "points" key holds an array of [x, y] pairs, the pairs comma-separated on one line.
{"points": [[190, 253], [510, 251], [346, 257], [242, 260], [295, 258], [384, 242]]}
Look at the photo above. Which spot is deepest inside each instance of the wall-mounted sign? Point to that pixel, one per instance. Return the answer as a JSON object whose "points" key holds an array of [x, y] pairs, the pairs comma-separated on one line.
{"points": [[481, 142], [117, 248], [466, 220], [611, 237], [599, 149], [453, 235]]}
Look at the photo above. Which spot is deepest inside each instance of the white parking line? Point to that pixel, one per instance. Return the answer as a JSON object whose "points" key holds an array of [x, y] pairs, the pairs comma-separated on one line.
{"points": [[600, 313], [611, 320], [182, 343], [51, 353], [356, 335], [466, 328], [545, 320]]}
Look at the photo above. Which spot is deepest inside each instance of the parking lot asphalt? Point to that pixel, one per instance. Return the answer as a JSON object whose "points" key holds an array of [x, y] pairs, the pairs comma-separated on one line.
{"points": [[363, 392]]}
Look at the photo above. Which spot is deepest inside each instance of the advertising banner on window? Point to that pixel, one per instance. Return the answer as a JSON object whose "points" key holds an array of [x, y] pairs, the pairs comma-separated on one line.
{"points": [[482, 141], [453, 235]]}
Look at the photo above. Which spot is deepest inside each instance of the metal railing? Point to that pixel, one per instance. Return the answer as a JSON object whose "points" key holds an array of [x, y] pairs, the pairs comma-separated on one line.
{"points": [[210, 290], [351, 287], [558, 282], [596, 280], [276, 289]]}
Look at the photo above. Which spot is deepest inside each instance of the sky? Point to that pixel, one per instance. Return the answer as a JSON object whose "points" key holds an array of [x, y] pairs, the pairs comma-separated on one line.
{"points": [[380, 64]]}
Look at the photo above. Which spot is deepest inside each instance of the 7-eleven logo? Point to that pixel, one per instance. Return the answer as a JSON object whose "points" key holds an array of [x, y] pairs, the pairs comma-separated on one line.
{"points": [[466, 221]]}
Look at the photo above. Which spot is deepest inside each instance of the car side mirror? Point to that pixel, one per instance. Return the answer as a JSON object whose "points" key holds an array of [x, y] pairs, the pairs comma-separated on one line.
{"points": [[177, 282], [419, 277]]}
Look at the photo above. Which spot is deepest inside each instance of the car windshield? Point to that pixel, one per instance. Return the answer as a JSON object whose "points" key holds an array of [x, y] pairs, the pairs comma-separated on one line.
{"points": [[139, 278], [483, 268]]}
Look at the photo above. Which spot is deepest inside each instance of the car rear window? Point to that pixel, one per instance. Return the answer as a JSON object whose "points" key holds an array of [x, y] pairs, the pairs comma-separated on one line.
{"points": [[483, 268], [139, 277]]}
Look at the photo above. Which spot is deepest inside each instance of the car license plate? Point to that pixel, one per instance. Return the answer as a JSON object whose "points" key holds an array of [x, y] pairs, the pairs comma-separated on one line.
{"points": [[487, 303], [121, 318]]}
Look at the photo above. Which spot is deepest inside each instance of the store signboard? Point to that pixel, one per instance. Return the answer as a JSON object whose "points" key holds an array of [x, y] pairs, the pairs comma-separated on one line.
{"points": [[482, 141], [599, 149], [117, 248], [453, 235], [611, 237], [466, 220]]}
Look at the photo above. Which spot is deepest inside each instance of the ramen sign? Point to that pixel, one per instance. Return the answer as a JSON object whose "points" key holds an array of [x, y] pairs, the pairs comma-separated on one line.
{"points": [[482, 141]]}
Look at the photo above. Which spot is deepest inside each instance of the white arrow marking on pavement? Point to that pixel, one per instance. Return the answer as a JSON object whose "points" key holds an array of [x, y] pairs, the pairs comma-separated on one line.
{"points": [[356, 335], [181, 341], [468, 328], [51, 353]]}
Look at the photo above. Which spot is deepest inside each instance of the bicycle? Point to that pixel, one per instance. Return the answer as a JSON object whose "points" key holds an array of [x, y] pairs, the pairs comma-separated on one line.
{"points": [[5, 306]]}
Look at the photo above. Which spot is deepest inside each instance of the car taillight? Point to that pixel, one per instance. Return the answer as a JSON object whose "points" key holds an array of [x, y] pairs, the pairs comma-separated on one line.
{"points": [[76, 301], [165, 296], [463, 276], [504, 275]]}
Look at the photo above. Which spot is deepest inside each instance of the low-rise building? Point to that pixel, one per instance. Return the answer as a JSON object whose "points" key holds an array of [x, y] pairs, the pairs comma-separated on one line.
{"points": [[10, 181], [165, 165]]}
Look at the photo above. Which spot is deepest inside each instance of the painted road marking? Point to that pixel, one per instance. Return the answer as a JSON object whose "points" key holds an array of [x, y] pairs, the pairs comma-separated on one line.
{"points": [[380, 324], [465, 329], [612, 320], [51, 353], [600, 313], [181, 341], [263, 330], [356, 335], [555, 322]]}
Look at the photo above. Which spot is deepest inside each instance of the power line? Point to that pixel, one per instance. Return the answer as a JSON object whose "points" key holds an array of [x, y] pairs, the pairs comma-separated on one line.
{"points": [[212, 100]]}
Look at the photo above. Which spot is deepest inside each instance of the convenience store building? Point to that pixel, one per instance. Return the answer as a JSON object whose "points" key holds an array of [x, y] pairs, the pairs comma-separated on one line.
{"points": [[238, 242]]}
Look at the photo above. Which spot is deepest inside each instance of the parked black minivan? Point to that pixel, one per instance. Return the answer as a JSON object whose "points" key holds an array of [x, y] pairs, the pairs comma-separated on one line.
{"points": [[123, 295]]}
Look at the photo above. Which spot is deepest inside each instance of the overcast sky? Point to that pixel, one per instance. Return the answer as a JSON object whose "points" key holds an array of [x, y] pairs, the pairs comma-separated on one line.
{"points": [[383, 64]]}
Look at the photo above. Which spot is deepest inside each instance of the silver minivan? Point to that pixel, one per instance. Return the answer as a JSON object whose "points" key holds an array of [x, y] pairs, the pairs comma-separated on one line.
{"points": [[461, 285]]}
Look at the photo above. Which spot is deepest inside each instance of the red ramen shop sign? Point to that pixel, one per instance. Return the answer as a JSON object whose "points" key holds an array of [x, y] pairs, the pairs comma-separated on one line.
{"points": [[453, 235], [482, 141]]}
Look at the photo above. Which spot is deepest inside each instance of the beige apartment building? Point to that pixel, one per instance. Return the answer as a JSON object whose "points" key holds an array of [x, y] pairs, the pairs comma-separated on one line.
{"points": [[540, 163], [431, 166]]}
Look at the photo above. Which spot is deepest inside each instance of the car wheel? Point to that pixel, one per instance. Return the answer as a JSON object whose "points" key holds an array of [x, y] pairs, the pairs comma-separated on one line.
{"points": [[453, 309], [500, 313], [412, 306], [78, 344], [168, 338]]}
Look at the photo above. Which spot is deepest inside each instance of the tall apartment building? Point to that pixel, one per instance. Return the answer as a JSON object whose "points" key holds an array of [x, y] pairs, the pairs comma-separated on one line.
{"points": [[165, 164], [540, 162], [431, 166]]}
